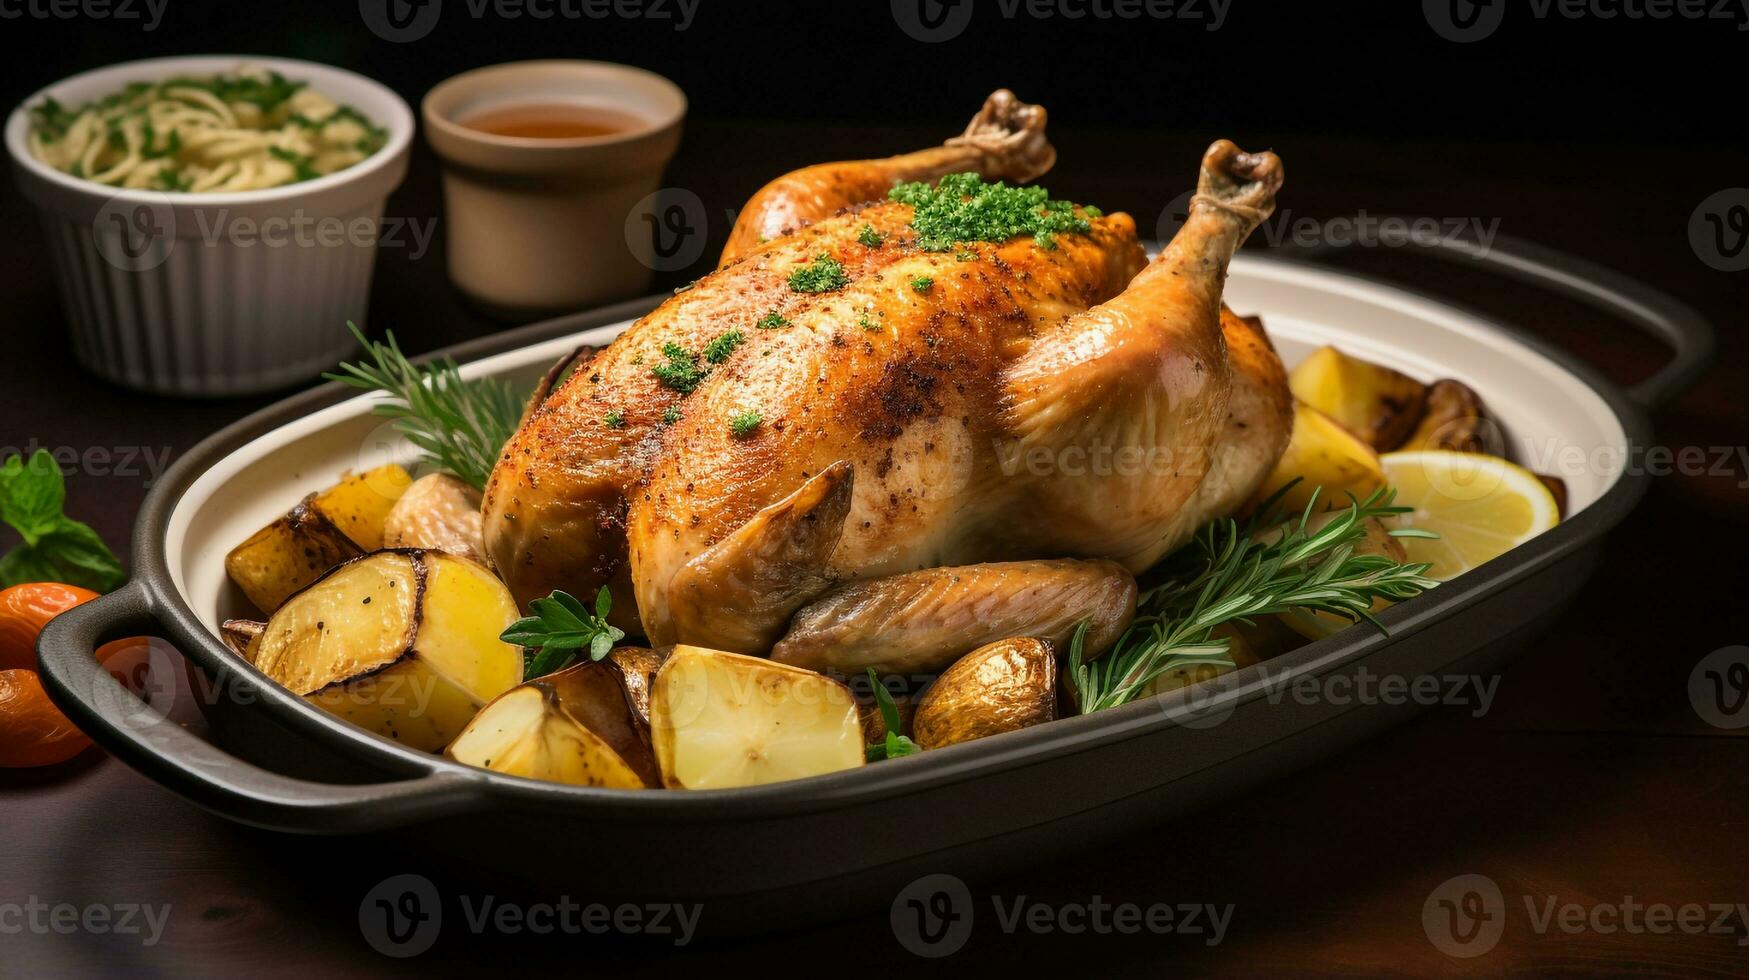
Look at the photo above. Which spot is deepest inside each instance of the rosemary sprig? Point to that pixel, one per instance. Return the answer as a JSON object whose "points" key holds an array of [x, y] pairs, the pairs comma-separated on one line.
{"points": [[1232, 572], [894, 745], [460, 426], [560, 626]]}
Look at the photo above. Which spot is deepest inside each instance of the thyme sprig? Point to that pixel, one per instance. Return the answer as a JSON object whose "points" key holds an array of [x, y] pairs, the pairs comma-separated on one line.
{"points": [[1232, 572]]}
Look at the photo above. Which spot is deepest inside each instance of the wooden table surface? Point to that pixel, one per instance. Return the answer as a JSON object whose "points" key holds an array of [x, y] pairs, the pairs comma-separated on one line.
{"points": [[1592, 781]]}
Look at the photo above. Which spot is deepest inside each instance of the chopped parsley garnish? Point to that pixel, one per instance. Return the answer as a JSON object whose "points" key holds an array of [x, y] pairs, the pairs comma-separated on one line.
{"points": [[870, 237], [718, 350], [681, 371], [923, 284], [966, 255], [822, 275], [745, 421], [867, 324], [772, 321], [963, 208], [671, 415], [614, 419]]}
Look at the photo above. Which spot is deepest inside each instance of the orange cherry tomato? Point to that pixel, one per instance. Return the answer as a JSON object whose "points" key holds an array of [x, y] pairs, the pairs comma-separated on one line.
{"points": [[33, 732], [25, 610]]}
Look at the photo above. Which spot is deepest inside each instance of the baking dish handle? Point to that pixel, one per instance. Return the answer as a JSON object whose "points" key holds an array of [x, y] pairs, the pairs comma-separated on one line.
{"points": [[1688, 333], [195, 768]]}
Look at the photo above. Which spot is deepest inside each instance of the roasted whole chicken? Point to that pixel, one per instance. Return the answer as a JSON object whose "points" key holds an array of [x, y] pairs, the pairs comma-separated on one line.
{"points": [[858, 443]]}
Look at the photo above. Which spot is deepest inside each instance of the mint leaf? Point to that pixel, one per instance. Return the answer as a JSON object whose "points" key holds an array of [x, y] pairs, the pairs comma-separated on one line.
{"points": [[55, 548], [31, 495]]}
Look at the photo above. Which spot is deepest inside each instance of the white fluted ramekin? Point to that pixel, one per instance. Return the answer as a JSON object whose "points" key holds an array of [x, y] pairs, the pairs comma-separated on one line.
{"points": [[215, 294]]}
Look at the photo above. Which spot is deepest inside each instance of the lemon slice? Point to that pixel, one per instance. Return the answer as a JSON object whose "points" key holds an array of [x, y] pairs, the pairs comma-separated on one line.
{"points": [[1480, 506]]}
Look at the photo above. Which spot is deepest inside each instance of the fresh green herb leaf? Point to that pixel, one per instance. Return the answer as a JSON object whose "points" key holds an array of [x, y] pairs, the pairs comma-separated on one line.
{"points": [[923, 284], [867, 324], [671, 415], [893, 745], [718, 350], [54, 547], [772, 321], [614, 419], [823, 275], [963, 208], [459, 426], [745, 421], [680, 371], [868, 236], [557, 627], [1232, 572]]}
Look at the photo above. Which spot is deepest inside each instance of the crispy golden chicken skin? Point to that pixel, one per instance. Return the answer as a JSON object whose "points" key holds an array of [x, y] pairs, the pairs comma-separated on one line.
{"points": [[750, 446]]}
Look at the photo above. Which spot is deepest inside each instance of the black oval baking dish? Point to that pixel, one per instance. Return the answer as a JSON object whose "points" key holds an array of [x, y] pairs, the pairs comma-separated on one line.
{"points": [[794, 852]]}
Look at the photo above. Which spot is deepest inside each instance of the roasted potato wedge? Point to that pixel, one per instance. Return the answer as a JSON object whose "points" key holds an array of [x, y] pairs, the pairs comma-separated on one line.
{"points": [[438, 512], [874, 727], [596, 694], [239, 633], [404, 643], [1000, 687], [530, 731], [1244, 654], [321, 531], [720, 720], [1379, 405], [1455, 419], [638, 666], [1322, 453]]}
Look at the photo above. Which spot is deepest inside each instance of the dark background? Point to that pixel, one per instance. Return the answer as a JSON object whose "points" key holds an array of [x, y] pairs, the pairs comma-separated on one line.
{"points": [[1591, 779]]}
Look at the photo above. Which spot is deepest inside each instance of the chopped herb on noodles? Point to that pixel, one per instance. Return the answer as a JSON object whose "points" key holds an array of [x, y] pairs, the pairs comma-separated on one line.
{"points": [[244, 130]]}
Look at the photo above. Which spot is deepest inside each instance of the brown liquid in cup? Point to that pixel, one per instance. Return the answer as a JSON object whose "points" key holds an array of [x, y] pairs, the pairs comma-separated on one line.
{"points": [[556, 121]]}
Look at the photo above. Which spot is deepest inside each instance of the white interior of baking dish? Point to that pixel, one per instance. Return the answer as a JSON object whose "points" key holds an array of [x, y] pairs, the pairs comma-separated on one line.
{"points": [[1554, 422]]}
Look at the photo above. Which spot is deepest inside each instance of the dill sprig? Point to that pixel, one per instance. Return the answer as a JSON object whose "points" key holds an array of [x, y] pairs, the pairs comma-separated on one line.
{"points": [[460, 426], [1232, 572]]}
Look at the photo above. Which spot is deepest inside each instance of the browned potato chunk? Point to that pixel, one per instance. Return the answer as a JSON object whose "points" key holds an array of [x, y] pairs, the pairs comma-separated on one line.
{"points": [[638, 666], [404, 643], [1000, 687], [530, 732], [596, 694], [1455, 420], [1321, 453], [323, 530], [1379, 405], [438, 512]]}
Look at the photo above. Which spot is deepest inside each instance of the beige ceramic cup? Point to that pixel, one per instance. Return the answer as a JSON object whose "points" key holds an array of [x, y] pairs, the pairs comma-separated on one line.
{"points": [[537, 226]]}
